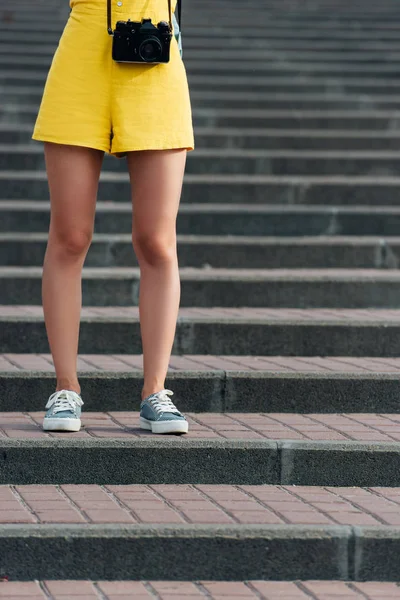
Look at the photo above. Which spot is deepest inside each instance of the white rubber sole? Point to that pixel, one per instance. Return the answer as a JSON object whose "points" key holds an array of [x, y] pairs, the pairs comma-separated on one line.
{"points": [[164, 426], [53, 424]]}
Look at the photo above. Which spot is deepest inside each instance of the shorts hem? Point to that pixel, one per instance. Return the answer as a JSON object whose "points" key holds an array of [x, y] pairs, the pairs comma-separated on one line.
{"points": [[123, 150], [120, 150], [48, 138]]}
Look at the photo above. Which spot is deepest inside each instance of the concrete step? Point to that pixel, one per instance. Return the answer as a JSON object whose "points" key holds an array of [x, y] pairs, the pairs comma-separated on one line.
{"points": [[26, 82], [257, 139], [223, 251], [15, 53], [198, 590], [238, 161], [239, 449], [364, 120], [194, 25], [39, 46], [276, 67], [211, 383], [42, 56], [238, 224], [211, 527], [235, 99], [28, 186], [207, 287], [205, 36], [233, 332], [259, 100]]}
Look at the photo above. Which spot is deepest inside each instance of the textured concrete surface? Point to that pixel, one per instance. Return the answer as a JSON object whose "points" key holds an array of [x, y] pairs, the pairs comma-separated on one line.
{"points": [[214, 552], [217, 331], [128, 458], [275, 288], [211, 383]]}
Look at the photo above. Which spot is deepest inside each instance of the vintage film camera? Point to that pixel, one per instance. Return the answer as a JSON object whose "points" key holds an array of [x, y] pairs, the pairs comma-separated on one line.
{"points": [[142, 42]]}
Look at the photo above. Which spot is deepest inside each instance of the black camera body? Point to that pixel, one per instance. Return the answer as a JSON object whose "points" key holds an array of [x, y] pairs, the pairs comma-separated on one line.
{"points": [[141, 42]]}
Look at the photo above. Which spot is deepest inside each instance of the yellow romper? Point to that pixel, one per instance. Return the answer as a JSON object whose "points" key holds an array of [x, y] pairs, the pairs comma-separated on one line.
{"points": [[91, 100]]}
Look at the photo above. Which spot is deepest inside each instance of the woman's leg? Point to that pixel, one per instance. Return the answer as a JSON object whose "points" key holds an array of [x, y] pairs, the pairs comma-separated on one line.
{"points": [[156, 179], [73, 174]]}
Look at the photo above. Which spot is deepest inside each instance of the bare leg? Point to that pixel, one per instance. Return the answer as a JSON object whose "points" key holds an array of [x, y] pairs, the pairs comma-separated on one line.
{"points": [[73, 174], [156, 179]]}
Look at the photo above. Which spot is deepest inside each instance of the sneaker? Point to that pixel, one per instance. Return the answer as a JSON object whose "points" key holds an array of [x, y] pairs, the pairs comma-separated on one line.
{"points": [[159, 414], [64, 411]]}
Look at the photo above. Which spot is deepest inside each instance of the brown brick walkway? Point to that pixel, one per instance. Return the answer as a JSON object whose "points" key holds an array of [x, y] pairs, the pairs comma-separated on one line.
{"points": [[124, 363], [250, 426], [199, 504], [270, 314], [181, 590]]}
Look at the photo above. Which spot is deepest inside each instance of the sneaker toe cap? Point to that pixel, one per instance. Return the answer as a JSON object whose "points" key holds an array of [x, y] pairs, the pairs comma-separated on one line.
{"points": [[62, 414], [169, 416]]}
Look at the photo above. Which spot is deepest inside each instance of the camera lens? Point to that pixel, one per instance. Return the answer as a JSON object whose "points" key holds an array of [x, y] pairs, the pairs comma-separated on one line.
{"points": [[150, 49]]}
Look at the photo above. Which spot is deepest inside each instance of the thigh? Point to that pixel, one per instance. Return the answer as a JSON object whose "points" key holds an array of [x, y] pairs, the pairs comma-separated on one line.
{"points": [[156, 179], [73, 175]]}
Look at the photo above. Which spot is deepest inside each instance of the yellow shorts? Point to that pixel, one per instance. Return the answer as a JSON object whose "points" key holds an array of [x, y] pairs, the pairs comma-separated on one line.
{"points": [[90, 100]]}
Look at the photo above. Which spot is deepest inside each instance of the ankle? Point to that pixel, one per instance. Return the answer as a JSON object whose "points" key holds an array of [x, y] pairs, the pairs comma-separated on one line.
{"points": [[151, 390], [68, 384]]}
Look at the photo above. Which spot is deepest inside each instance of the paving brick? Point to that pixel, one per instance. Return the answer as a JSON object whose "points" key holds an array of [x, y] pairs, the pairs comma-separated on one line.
{"points": [[225, 426], [11, 589], [263, 504], [124, 363]]}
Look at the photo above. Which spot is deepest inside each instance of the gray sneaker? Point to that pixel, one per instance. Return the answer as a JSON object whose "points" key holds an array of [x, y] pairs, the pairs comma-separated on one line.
{"points": [[159, 414], [64, 411]]}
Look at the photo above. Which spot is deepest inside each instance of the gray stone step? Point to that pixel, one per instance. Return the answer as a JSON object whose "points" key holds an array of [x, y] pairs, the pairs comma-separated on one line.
{"points": [[37, 45], [199, 224], [226, 250], [211, 383], [223, 21], [206, 552], [215, 331], [14, 57], [366, 120], [267, 139], [147, 460], [258, 100], [286, 288], [234, 99], [26, 82], [384, 191], [205, 36], [238, 161], [277, 67]]}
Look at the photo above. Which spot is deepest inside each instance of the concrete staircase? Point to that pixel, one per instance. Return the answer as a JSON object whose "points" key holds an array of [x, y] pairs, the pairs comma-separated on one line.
{"points": [[287, 350]]}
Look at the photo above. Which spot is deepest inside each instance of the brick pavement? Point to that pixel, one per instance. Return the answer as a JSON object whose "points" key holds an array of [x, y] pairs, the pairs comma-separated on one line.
{"points": [[362, 427], [199, 504], [273, 314], [124, 363], [214, 590]]}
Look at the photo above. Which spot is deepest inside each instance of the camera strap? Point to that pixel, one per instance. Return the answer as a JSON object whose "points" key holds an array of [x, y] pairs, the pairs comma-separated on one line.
{"points": [[179, 5]]}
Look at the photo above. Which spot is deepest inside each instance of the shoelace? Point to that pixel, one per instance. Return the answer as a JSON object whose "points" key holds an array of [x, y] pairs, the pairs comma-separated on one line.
{"points": [[162, 403], [64, 400]]}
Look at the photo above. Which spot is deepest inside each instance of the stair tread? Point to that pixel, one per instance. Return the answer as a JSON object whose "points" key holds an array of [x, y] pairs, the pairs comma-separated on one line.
{"points": [[117, 363], [200, 504], [199, 590], [345, 316], [228, 426]]}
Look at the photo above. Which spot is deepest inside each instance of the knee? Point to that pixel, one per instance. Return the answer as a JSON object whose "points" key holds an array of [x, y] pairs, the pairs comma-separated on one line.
{"points": [[154, 249], [71, 243]]}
